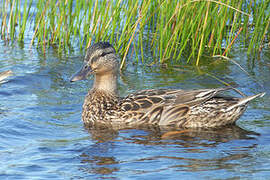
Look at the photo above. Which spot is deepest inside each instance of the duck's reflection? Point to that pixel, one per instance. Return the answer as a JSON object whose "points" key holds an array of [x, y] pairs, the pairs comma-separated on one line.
{"points": [[192, 148], [98, 164], [159, 133]]}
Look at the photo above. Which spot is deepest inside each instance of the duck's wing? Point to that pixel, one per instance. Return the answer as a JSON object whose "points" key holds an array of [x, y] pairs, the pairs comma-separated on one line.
{"points": [[157, 105], [195, 97], [147, 98]]}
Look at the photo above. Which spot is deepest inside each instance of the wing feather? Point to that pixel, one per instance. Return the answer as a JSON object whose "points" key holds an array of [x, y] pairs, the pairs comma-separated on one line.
{"points": [[162, 106]]}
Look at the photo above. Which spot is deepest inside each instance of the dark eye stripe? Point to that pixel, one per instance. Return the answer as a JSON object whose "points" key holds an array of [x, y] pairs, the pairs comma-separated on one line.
{"points": [[95, 58], [105, 53]]}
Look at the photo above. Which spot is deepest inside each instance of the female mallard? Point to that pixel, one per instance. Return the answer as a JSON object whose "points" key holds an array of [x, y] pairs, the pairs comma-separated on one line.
{"points": [[173, 107]]}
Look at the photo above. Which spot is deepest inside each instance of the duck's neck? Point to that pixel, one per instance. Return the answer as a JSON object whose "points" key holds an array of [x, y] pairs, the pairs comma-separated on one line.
{"points": [[106, 83]]}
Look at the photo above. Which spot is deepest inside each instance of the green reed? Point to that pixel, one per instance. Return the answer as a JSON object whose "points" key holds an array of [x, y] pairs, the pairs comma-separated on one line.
{"points": [[170, 29]]}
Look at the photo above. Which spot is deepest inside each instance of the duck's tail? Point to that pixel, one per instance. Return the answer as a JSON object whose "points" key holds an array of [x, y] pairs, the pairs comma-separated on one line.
{"points": [[245, 100]]}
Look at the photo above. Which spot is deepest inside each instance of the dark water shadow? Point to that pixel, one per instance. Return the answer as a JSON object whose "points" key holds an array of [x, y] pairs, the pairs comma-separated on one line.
{"points": [[100, 158], [219, 135]]}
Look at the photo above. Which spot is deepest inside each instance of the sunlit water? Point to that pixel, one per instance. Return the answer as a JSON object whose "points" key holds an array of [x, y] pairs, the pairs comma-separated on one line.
{"points": [[42, 135]]}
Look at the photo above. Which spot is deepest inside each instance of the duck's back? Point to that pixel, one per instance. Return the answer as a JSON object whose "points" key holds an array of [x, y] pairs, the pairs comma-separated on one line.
{"points": [[195, 108]]}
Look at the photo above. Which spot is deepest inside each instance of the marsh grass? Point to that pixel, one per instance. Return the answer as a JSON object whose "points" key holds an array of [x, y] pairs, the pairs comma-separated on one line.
{"points": [[171, 29]]}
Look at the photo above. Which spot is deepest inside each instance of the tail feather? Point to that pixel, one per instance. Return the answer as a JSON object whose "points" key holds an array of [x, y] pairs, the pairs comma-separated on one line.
{"points": [[245, 100]]}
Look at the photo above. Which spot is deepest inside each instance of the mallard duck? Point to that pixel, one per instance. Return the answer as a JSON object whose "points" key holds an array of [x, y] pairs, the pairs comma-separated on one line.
{"points": [[169, 107], [4, 75]]}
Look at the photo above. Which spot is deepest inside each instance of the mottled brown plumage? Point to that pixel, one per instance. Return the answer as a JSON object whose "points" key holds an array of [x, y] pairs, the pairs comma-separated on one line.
{"points": [[170, 107], [4, 75]]}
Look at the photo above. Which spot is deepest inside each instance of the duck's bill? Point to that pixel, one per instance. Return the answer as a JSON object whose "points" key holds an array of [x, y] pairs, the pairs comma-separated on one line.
{"points": [[81, 74]]}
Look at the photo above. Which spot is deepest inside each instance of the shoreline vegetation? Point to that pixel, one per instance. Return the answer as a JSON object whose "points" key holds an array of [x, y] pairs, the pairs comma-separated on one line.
{"points": [[169, 29]]}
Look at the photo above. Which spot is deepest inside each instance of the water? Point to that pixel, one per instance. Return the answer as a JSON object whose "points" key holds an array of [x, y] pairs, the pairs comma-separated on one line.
{"points": [[42, 135]]}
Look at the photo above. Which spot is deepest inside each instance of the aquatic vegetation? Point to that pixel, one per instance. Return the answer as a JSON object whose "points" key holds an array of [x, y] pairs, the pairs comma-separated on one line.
{"points": [[170, 29]]}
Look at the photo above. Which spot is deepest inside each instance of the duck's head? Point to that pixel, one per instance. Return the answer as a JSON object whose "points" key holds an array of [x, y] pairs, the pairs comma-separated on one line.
{"points": [[100, 60]]}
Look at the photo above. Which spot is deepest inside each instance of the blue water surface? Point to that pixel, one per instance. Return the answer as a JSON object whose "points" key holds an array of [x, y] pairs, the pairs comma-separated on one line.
{"points": [[42, 135]]}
